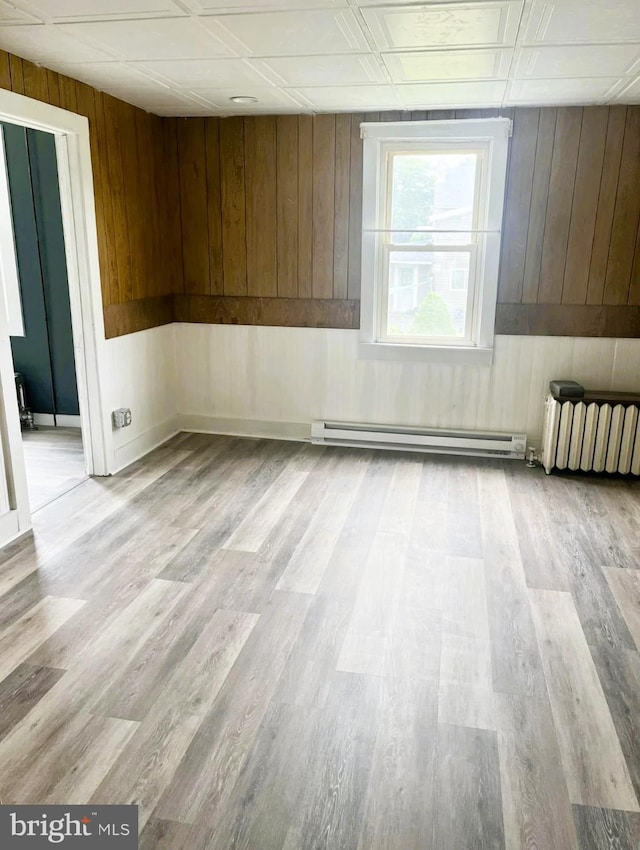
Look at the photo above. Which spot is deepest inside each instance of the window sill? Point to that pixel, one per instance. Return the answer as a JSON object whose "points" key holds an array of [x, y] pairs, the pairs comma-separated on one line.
{"points": [[453, 354]]}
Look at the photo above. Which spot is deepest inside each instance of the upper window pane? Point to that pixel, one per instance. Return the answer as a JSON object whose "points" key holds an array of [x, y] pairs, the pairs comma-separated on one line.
{"points": [[432, 191]]}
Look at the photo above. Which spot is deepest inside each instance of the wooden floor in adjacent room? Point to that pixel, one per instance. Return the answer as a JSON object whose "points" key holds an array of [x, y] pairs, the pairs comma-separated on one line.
{"points": [[54, 463], [276, 646]]}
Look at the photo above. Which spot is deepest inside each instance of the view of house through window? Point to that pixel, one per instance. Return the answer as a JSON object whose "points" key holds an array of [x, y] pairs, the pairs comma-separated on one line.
{"points": [[429, 244]]}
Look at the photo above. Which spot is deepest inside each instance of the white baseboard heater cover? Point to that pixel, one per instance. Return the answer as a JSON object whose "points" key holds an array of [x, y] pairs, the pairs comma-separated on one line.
{"points": [[437, 440], [598, 433]]}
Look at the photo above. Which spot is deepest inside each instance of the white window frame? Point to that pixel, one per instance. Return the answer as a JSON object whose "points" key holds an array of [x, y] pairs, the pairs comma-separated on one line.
{"points": [[489, 137]]}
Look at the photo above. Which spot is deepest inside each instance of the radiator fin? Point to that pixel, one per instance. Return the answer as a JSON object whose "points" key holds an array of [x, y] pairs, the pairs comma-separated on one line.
{"points": [[594, 436], [629, 432], [590, 431]]}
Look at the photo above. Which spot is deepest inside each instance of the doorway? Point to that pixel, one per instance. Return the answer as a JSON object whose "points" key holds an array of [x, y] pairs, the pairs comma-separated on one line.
{"points": [[93, 450], [33, 259]]}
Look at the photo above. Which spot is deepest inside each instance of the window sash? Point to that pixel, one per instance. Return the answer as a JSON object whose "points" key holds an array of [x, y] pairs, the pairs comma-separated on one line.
{"points": [[492, 134], [385, 250], [384, 232]]}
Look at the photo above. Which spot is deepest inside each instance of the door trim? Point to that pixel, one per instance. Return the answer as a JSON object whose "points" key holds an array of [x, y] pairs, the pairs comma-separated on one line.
{"points": [[77, 201]]}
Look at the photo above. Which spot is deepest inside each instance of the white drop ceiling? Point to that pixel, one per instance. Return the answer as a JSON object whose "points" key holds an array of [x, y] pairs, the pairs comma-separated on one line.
{"points": [[188, 57]]}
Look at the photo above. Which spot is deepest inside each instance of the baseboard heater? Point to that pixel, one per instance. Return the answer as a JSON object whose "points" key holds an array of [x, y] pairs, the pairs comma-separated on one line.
{"points": [[437, 440], [599, 432]]}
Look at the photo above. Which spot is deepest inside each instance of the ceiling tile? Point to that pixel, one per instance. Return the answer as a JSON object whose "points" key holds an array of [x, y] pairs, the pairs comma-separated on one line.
{"points": [[164, 38], [178, 107], [630, 94], [344, 98], [611, 61], [207, 73], [65, 10], [270, 100], [583, 21], [44, 43], [155, 98], [444, 25], [102, 75], [540, 92], [448, 65], [344, 69], [294, 33], [453, 95], [220, 7], [11, 15]]}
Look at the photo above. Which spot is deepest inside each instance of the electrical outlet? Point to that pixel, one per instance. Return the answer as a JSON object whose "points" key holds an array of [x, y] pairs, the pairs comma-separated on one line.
{"points": [[121, 417]]}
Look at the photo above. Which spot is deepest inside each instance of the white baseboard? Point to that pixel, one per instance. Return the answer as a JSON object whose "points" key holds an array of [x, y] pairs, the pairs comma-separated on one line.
{"points": [[134, 449], [297, 431], [10, 529], [60, 420]]}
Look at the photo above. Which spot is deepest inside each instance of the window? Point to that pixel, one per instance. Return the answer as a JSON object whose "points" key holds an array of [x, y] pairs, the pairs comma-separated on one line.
{"points": [[432, 211]]}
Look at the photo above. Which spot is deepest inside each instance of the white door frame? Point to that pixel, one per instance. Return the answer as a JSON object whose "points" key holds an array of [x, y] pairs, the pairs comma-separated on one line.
{"points": [[75, 176]]}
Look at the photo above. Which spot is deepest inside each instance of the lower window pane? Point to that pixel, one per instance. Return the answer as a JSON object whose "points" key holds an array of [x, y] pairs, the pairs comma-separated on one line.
{"points": [[428, 294]]}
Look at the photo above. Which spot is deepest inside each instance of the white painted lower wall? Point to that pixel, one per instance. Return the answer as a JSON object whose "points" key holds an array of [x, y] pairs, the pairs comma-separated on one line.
{"points": [[276, 381], [141, 375]]}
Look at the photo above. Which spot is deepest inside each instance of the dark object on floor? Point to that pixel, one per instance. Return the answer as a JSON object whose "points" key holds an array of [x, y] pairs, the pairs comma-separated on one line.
{"points": [[27, 422]]}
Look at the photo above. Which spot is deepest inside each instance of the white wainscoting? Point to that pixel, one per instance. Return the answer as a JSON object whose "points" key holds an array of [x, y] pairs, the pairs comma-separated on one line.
{"points": [[275, 381], [142, 376]]}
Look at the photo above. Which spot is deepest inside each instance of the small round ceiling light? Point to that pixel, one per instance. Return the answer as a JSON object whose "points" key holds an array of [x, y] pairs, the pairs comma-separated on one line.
{"points": [[243, 98]]}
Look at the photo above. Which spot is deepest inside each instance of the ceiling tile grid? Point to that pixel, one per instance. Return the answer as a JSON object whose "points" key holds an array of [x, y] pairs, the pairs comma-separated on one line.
{"points": [[190, 57]]}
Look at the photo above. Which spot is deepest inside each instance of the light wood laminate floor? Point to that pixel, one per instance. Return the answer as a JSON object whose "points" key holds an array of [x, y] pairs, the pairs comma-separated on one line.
{"points": [[54, 461], [276, 646]]}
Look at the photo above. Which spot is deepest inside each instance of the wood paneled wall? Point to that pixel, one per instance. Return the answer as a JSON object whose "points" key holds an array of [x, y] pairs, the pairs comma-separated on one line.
{"points": [[571, 242], [258, 220], [271, 219], [136, 195], [271, 216]]}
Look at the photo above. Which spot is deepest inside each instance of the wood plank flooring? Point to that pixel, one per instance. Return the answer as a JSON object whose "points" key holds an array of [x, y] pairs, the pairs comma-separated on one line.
{"points": [[54, 462], [277, 646]]}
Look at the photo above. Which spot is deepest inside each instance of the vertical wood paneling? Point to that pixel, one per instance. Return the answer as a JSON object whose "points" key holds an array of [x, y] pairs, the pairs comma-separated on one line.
{"points": [[137, 236], [562, 183], [261, 206], [17, 79], [87, 107], [104, 206], [341, 206], [585, 205], [68, 98], [518, 202], [634, 289], [117, 191], [556, 234], [626, 215], [193, 192], [287, 205], [305, 200], [606, 203], [234, 239], [36, 84], [131, 172], [355, 208], [147, 248], [53, 85], [5, 70], [324, 163], [277, 202], [539, 199], [214, 205], [168, 199]]}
